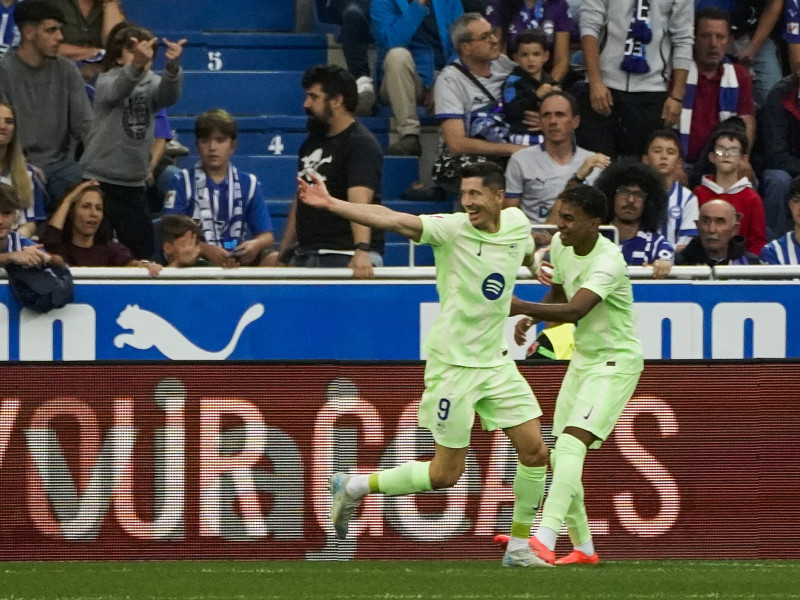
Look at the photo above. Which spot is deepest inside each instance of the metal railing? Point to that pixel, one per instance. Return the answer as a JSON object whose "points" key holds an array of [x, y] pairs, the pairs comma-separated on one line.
{"points": [[740, 272]]}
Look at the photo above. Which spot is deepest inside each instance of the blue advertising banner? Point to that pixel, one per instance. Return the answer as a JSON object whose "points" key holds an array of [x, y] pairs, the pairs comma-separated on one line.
{"points": [[355, 320]]}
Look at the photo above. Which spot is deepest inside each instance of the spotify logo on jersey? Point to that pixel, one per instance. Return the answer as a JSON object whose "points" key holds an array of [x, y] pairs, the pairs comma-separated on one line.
{"points": [[493, 286]]}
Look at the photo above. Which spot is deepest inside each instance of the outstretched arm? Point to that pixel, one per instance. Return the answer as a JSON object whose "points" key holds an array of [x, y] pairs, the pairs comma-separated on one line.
{"points": [[555, 308], [371, 215]]}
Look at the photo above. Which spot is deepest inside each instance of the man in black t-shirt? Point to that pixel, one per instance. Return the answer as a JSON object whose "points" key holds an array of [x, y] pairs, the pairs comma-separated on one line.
{"points": [[347, 157]]}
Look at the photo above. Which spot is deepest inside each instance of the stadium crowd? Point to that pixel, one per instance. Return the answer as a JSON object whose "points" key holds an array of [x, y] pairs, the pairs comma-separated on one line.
{"points": [[667, 106]]}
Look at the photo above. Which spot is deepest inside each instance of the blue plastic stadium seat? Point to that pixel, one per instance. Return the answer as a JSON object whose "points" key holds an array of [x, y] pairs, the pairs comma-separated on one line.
{"points": [[248, 51], [277, 135], [396, 254], [240, 92], [230, 15]]}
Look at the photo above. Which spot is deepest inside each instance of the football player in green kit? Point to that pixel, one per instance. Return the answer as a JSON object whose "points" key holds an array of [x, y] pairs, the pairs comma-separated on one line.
{"points": [[469, 370]]}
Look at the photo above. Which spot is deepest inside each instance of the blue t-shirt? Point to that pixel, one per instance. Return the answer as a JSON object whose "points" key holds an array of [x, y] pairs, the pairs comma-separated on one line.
{"points": [[226, 231], [791, 19]]}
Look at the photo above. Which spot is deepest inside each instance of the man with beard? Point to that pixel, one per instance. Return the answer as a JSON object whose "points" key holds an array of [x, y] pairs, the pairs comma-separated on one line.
{"points": [[638, 209], [345, 155]]}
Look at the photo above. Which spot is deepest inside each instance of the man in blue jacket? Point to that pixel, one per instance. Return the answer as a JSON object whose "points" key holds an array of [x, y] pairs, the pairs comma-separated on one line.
{"points": [[413, 44]]}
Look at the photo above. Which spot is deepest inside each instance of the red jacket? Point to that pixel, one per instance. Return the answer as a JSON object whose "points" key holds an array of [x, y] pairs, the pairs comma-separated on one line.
{"points": [[746, 201]]}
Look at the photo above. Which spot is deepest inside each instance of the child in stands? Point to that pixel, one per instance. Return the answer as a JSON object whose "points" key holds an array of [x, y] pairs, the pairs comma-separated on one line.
{"points": [[227, 203], [117, 155], [179, 242], [728, 149], [527, 84]]}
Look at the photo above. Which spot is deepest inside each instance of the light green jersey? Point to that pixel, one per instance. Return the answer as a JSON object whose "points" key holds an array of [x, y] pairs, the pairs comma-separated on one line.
{"points": [[475, 275], [608, 331]]}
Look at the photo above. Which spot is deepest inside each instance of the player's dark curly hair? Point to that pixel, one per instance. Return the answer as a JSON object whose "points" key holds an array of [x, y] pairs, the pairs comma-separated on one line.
{"points": [[586, 197], [333, 80], [629, 171]]}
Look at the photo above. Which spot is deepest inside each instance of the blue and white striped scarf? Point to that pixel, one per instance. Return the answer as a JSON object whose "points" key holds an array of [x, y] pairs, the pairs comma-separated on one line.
{"points": [[728, 99], [226, 234], [640, 34]]}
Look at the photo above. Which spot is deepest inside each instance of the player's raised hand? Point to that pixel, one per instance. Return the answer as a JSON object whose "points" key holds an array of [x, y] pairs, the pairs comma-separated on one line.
{"points": [[315, 193], [174, 49], [142, 52]]}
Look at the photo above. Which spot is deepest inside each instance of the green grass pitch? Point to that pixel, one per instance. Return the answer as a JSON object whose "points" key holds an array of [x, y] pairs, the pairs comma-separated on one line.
{"points": [[397, 580]]}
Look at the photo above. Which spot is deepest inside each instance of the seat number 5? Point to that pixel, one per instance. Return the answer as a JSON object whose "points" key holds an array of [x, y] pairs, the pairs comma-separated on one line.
{"points": [[215, 60]]}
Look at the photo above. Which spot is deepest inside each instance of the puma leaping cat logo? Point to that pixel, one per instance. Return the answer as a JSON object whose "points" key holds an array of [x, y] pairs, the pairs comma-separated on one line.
{"points": [[149, 329]]}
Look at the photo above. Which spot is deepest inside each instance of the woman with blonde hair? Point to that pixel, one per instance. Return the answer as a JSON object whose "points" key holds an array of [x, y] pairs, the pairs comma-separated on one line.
{"points": [[19, 174]]}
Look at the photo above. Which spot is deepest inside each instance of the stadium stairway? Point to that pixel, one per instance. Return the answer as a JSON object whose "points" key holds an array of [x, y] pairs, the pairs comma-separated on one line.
{"points": [[242, 55]]}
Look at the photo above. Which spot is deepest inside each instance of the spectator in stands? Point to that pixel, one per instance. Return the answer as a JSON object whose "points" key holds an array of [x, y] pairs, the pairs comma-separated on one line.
{"points": [[79, 235], [636, 81], [15, 172], [165, 147], [48, 95], [87, 24], [785, 250], [180, 245], [120, 142], [346, 155], [527, 84], [413, 44], [665, 156], [9, 32], [353, 17], [753, 22], [467, 98], [536, 176], [162, 162], [779, 122], [511, 18], [717, 242], [729, 148], [15, 247], [637, 208], [716, 88], [227, 203]]}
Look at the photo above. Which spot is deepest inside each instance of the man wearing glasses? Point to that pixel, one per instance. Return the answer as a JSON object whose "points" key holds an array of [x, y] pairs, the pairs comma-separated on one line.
{"points": [[471, 88], [729, 150], [638, 209], [413, 45]]}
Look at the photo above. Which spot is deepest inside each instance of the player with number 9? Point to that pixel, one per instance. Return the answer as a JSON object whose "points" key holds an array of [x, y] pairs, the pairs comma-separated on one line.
{"points": [[477, 254]]}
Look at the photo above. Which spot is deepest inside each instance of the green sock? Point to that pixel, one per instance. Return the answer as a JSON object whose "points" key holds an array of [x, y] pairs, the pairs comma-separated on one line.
{"points": [[578, 521], [569, 453], [528, 492], [408, 478]]}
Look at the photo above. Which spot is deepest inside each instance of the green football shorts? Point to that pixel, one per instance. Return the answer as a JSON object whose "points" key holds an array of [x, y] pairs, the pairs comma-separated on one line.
{"points": [[593, 398], [500, 395]]}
